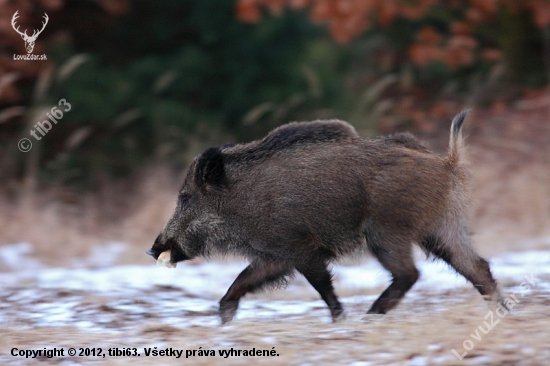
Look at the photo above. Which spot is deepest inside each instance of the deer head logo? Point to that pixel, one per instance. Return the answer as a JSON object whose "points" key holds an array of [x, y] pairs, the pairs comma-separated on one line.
{"points": [[29, 40]]}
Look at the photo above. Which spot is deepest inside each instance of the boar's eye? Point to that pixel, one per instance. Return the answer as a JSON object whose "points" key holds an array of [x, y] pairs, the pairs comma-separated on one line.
{"points": [[183, 200]]}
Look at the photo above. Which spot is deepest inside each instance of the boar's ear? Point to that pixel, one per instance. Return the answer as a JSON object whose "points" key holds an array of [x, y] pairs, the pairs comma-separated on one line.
{"points": [[210, 172]]}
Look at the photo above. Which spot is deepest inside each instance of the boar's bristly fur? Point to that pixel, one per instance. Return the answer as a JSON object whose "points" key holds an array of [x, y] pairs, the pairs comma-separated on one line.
{"points": [[313, 192]]}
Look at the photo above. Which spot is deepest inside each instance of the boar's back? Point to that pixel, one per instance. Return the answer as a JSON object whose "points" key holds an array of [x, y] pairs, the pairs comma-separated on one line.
{"points": [[293, 135]]}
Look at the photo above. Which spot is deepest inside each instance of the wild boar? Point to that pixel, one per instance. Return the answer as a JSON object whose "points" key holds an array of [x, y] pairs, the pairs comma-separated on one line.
{"points": [[313, 192]]}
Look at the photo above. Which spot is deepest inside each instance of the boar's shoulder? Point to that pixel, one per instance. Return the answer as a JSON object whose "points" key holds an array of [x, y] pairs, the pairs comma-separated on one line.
{"points": [[208, 170]]}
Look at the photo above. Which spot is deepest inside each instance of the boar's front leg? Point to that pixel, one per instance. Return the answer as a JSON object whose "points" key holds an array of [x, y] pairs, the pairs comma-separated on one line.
{"points": [[317, 274], [255, 277]]}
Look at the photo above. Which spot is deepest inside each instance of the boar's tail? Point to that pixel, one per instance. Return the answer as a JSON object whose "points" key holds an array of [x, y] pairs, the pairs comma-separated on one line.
{"points": [[456, 137]]}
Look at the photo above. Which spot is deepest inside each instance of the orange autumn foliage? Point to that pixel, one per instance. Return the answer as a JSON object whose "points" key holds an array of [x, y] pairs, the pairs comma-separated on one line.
{"points": [[347, 19]]}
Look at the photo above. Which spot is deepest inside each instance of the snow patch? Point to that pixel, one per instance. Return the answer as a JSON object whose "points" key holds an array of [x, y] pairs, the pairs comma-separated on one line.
{"points": [[96, 298], [17, 256]]}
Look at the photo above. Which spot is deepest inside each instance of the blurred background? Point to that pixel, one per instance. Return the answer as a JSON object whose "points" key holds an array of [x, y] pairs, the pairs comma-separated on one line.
{"points": [[152, 84]]}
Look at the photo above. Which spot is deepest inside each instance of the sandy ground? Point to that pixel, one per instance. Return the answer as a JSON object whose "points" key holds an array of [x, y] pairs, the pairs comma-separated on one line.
{"points": [[143, 307], [419, 333]]}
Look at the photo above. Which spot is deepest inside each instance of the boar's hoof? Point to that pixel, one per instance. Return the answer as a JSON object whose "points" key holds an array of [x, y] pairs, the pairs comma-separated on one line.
{"points": [[371, 318], [228, 311], [495, 301], [338, 314]]}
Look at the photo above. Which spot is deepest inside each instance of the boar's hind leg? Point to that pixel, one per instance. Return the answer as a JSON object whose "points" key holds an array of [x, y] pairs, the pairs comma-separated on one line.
{"points": [[319, 277], [462, 257], [253, 278], [404, 273]]}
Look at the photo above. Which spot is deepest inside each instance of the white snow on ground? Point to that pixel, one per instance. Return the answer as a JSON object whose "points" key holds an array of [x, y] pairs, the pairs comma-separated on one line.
{"points": [[54, 296], [17, 256]]}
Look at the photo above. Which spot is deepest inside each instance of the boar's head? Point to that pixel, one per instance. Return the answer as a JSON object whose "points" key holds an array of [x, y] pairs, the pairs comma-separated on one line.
{"points": [[194, 223]]}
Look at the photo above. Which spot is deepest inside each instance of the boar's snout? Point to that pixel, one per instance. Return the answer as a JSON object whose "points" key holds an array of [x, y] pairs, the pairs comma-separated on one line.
{"points": [[151, 253], [163, 244], [159, 246]]}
